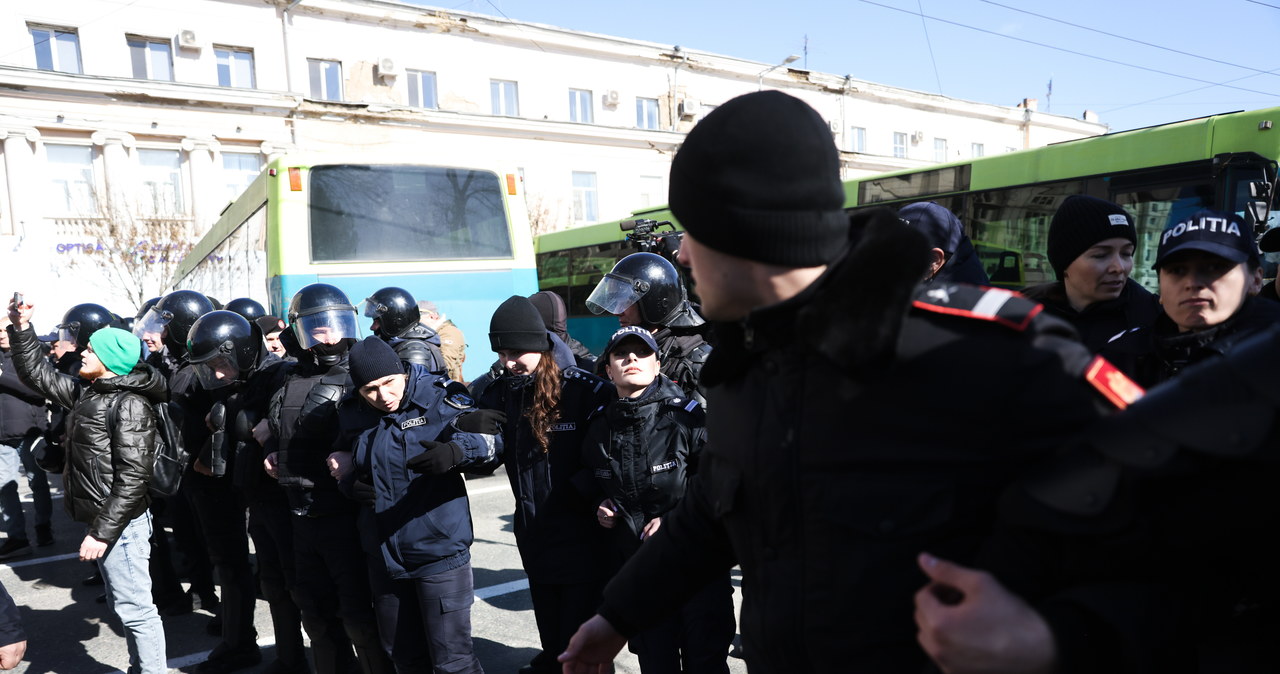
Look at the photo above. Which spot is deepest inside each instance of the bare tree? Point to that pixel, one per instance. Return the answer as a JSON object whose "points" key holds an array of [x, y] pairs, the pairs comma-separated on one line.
{"points": [[132, 249], [544, 215]]}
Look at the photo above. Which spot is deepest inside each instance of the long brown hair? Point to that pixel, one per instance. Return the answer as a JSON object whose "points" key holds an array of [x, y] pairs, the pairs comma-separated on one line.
{"points": [[546, 400]]}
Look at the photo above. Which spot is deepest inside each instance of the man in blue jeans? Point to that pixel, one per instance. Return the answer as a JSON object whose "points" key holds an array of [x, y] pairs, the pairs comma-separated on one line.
{"points": [[110, 451], [23, 419]]}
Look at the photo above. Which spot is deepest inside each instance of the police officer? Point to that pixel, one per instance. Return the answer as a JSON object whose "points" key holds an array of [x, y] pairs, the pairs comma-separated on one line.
{"points": [[397, 320], [77, 326], [645, 289], [418, 530], [248, 307], [329, 565], [233, 363], [841, 440]]}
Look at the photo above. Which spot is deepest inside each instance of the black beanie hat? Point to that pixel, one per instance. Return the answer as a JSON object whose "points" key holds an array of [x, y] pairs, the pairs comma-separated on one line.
{"points": [[518, 326], [1081, 222], [371, 360], [759, 178]]}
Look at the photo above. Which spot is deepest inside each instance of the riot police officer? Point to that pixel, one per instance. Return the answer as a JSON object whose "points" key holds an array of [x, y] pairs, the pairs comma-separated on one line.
{"points": [[329, 562], [248, 307], [220, 348], [232, 361], [77, 326], [398, 321], [645, 289]]}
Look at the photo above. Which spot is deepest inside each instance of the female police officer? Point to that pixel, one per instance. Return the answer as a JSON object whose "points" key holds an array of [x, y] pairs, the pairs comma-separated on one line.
{"points": [[406, 433]]}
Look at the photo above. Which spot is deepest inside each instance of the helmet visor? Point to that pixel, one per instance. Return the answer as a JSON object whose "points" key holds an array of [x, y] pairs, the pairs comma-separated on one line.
{"points": [[613, 294], [67, 333], [217, 372], [325, 327], [371, 308], [151, 324]]}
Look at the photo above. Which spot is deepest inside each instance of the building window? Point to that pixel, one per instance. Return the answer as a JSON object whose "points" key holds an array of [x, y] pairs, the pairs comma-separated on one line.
{"points": [[977, 150], [899, 144], [652, 192], [238, 170], [152, 58], [161, 173], [580, 109], [56, 48], [422, 89], [71, 178], [505, 97], [326, 79], [857, 139], [647, 113], [235, 67], [584, 197], [939, 149]]}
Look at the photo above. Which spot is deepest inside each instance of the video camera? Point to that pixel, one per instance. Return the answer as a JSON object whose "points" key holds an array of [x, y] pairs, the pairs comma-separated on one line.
{"points": [[646, 237]]}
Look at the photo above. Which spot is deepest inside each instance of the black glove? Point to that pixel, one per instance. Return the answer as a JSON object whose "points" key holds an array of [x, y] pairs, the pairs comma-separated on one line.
{"points": [[437, 458], [363, 492], [488, 422]]}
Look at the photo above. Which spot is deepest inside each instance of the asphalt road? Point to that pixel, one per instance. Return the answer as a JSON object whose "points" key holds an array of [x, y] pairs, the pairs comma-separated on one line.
{"points": [[69, 632]]}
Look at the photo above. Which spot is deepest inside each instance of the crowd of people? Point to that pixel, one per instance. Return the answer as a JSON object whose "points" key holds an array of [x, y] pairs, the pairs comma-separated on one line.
{"points": [[911, 468]]}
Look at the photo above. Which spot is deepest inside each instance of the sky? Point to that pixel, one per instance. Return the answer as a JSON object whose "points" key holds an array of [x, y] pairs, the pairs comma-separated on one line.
{"points": [[1135, 63]]}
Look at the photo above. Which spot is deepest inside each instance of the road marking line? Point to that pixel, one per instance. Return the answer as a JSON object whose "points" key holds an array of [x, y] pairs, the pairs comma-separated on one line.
{"points": [[502, 588], [489, 490]]}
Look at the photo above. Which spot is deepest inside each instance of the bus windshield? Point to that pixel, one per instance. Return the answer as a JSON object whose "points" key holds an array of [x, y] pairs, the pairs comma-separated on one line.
{"points": [[376, 213]]}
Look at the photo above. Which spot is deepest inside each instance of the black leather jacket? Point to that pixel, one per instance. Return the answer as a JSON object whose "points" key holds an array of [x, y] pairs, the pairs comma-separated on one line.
{"points": [[108, 465]]}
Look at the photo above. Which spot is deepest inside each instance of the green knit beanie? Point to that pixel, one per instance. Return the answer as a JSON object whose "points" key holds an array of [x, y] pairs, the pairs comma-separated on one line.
{"points": [[118, 349]]}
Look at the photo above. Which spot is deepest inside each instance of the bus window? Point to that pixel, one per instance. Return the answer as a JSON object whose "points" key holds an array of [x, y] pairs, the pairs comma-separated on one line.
{"points": [[366, 213]]}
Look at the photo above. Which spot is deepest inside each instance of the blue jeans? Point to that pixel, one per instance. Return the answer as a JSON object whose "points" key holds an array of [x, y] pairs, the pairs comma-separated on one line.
{"points": [[13, 463], [125, 569]]}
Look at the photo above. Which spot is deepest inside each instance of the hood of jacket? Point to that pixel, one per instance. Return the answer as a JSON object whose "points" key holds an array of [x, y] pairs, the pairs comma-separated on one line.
{"points": [[144, 380]]}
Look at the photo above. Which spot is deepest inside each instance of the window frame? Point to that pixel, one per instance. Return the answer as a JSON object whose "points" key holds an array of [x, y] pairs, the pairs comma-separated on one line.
{"points": [[642, 116], [144, 43], [586, 199], [414, 81], [504, 98], [977, 150], [55, 60], [900, 144], [581, 106], [218, 50], [316, 72], [183, 200], [940, 149], [66, 205], [858, 139]]}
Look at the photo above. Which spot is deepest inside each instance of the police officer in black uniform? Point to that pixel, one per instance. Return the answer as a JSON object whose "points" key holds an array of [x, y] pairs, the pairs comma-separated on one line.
{"points": [[234, 364], [329, 563], [645, 289], [248, 307], [170, 319], [846, 432], [398, 321]]}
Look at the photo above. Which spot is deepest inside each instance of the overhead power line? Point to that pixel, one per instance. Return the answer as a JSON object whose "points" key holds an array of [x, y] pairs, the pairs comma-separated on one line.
{"points": [[1071, 51], [1130, 39]]}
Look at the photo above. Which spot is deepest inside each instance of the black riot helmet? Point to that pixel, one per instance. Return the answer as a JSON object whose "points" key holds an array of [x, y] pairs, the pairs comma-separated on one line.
{"points": [[321, 314], [81, 321], [650, 282], [248, 307], [146, 306], [223, 347], [395, 310], [173, 316]]}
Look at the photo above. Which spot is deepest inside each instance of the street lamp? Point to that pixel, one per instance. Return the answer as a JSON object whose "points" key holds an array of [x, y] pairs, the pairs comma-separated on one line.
{"points": [[760, 79]]}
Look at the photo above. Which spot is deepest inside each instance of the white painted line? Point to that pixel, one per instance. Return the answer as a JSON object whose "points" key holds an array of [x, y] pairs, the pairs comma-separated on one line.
{"points": [[489, 490], [501, 589]]}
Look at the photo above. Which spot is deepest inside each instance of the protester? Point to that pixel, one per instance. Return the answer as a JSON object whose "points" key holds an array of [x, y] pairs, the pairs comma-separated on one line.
{"points": [[840, 425], [23, 419], [453, 344], [109, 456], [952, 258]]}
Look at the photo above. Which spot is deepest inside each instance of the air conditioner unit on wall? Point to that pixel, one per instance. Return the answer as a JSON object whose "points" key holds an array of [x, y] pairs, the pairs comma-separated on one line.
{"points": [[387, 67], [917, 137], [834, 126], [688, 108], [187, 39], [611, 97]]}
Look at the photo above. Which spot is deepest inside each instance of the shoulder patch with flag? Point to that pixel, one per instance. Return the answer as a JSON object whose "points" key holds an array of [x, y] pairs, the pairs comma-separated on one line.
{"points": [[988, 304]]}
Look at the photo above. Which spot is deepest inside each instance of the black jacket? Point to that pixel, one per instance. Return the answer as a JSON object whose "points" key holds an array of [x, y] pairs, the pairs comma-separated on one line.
{"points": [[108, 463], [419, 344], [641, 452], [555, 525], [304, 422], [1104, 325], [683, 352], [22, 411], [850, 429], [1164, 351]]}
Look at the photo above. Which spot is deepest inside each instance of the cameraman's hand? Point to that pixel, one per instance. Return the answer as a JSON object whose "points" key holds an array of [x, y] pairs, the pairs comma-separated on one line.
{"points": [[438, 458], [488, 422]]}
